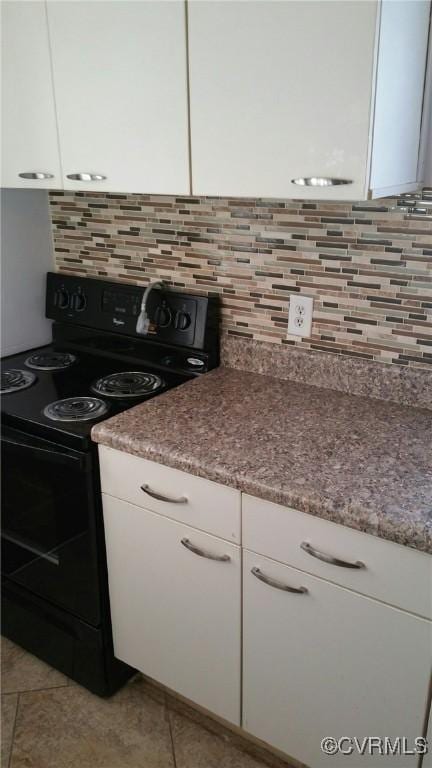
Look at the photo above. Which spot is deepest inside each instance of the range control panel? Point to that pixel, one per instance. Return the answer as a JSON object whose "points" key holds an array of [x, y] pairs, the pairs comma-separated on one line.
{"points": [[175, 318]]}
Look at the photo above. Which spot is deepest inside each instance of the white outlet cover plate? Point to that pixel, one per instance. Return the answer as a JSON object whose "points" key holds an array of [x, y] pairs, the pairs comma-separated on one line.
{"points": [[300, 316]]}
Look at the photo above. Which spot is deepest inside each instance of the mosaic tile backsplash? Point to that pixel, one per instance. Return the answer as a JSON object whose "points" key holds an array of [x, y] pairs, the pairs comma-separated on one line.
{"points": [[368, 266]]}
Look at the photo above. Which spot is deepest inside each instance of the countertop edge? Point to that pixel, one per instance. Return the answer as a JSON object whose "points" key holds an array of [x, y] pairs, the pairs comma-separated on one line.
{"points": [[343, 513]]}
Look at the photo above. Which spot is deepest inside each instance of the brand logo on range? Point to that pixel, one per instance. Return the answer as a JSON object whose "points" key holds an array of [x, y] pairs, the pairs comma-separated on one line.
{"points": [[116, 321]]}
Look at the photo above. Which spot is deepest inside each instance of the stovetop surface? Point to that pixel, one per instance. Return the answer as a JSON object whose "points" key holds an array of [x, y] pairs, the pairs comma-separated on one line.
{"points": [[95, 321], [24, 409]]}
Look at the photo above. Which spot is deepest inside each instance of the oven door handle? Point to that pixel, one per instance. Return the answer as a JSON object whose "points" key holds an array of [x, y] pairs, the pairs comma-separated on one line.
{"points": [[55, 455]]}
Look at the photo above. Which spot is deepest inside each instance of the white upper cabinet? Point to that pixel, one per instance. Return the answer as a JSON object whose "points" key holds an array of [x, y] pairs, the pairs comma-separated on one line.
{"points": [[286, 90], [29, 144], [96, 96], [120, 78]]}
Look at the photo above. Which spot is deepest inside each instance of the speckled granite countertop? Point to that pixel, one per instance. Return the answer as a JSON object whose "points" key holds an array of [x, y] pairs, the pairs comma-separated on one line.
{"points": [[354, 460]]}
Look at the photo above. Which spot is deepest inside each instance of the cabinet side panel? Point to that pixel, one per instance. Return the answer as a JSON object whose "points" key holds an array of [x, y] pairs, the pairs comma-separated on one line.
{"points": [[425, 160], [399, 92]]}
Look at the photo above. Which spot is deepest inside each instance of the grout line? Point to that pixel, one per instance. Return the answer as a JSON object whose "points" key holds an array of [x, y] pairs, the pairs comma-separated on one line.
{"points": [[37, 690], [168, 712], [13, 730]]}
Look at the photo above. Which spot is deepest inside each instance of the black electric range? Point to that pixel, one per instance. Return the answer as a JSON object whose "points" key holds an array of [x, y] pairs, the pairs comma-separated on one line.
{"points": [[54, 587], [28, 408]]}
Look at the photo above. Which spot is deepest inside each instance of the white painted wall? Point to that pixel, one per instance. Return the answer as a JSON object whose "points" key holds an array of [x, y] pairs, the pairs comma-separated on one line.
{"points": [[26, 257]]}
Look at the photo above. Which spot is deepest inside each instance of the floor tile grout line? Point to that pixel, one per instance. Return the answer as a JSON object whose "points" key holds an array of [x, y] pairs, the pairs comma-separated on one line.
{"points": [[37, 690], [235, 740], [13, 730], [168, 711], [172, 706], [221, 732]]}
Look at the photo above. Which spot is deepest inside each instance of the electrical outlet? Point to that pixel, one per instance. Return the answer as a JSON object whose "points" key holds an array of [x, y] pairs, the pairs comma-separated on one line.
{"points": [[300, 316]]}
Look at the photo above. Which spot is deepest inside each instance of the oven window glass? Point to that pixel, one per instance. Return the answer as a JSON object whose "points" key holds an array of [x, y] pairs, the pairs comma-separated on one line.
{"points": [[48, 539]]}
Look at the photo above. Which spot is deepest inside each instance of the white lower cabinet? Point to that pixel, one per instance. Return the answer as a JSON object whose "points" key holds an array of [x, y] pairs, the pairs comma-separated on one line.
{"points": [[327, 662], [332, 647], [175, 605]]}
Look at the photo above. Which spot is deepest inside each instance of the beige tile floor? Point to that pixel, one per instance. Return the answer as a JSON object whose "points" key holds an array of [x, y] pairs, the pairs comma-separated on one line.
{"points": [[50, 722]]}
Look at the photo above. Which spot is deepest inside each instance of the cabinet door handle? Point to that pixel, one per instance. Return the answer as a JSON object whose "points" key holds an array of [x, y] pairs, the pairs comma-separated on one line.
{"points": [[39, 175], [310, 550], [180, 500], [202, 553], [278, 584], [85, 177], [319, 181]]}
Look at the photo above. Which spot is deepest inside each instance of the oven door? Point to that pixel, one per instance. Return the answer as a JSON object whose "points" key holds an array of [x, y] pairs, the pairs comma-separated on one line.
{"points": [[48, 529]]}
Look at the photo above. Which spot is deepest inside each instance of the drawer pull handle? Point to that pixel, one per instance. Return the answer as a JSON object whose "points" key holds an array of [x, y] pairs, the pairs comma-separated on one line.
{"points": [[278, 584], [39, 175], [202, 553], [310, 550], [319, 181], [85, 177], [146, 488]]}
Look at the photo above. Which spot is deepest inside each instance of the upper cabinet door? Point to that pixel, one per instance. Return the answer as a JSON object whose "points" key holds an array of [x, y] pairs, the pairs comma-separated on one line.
{"points": [[280, 91], [120, 78], [29, 144]]}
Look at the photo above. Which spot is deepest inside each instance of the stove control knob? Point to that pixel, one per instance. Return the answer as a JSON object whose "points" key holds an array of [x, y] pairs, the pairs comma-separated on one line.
{"points": [[78, 301], [182, 321], [195, 363], [61, 299], [162, 316]]}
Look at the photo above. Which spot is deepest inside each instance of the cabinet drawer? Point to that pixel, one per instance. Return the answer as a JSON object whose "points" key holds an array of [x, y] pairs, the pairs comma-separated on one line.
{"points": [[188, 499], [392, 573]]}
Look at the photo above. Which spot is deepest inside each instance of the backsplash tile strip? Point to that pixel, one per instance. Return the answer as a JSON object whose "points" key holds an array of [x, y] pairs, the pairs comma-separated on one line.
{"points": [[367, 265]]}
